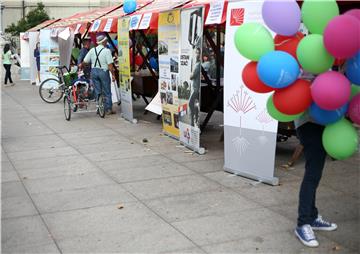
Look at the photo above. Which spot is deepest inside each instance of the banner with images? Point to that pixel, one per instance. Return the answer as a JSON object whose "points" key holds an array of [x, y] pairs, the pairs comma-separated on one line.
{"points": [[124, 69], [169, 52], [49, 56], [25, 56], [249, 129], [33, 40], [192, 23]]}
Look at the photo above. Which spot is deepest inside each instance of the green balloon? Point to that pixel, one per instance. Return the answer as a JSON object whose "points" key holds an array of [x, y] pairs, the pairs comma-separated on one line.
{"points": [[312, 54], [340, 139], [354, 90], [253, 40], [277, 115], [316, 14]]}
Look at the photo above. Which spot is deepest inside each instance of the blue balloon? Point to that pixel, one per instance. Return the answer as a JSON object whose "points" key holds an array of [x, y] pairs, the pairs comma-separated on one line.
{"points": [[353, 69], [129, 6], [278, 69], [154, 63], [325, 117]]}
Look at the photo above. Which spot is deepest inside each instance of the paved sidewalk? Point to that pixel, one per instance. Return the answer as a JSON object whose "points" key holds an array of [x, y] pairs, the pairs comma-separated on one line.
{"points": [[64, 182]]}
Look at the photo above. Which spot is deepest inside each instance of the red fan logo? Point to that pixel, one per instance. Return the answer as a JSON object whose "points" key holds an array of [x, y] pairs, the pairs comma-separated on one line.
{"points": [[237, 17]]}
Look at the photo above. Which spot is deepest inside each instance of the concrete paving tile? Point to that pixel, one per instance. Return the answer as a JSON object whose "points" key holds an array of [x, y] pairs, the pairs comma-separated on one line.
{"points": [[72, 137], [149, 172], [35, 249], [8, 173], [109, 140], [62, 183], [185, 207], [281, 242], [187, 156], [186, 251], [113, 155], [346, 183], [42, 153], [206, 166], [109, 147], [24, 231], [17, 206], [333, 208], [111, 194], [51, 162], [62, 170], [228, 227], [134, 162], [181, 185], [108, 229], [232, 180], [74, 126], [347, 234], [32, 143], [12, 189], [24, 128]]}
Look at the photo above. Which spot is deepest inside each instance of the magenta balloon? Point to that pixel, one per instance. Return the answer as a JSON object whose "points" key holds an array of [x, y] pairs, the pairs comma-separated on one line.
{"points": [[354, 109], [342, 36], [282, 16], [331, 90], [355, 13]]}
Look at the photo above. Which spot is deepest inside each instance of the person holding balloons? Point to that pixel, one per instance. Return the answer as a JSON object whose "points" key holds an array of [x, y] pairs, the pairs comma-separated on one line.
{"points": [[319, 104]]}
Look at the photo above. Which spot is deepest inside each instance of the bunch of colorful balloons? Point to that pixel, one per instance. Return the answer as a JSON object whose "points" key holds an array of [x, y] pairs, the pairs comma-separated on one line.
{"points": [[300, 70]]}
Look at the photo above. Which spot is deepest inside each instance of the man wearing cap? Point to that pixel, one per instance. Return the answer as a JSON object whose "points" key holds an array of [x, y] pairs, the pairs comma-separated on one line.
{"points": [[101, 63], [83, 52]]}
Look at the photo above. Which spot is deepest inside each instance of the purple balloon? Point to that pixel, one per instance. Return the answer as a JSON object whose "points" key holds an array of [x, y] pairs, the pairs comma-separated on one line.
{"points": [[355, 13], [282, 16]]}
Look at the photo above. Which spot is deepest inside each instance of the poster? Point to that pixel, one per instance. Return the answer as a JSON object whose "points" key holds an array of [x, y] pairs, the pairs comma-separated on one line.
{"points": [[249, 130], [33, 40], [124, 69], [25, 56], [190, 77], [169, 52], [215, 12], [49, 55]]}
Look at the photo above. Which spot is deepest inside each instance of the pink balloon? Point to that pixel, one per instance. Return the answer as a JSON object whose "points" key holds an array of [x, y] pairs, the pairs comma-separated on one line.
{"points": [[354, 109], [355, 13], [331, 90], [342, 36]]}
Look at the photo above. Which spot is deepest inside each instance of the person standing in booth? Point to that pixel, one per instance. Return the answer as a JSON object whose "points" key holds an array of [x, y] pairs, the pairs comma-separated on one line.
{"points": [[101, 65], [37, 58], [83, 52]]}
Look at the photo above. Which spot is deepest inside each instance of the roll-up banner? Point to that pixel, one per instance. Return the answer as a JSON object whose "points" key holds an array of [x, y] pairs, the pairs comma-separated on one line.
{"points": [[189, 86], [124, 69], [33, 40], [249, 130], [169, 54], [25, 57], [49, 55]]}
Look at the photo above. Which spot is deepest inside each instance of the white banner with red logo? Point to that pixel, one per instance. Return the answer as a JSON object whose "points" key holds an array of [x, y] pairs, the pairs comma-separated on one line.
{"points": [[249, 130]]}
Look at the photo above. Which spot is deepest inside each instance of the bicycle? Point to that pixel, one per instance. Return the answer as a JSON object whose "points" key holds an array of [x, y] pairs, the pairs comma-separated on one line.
{"points": [[79, 97], [52, 90]]}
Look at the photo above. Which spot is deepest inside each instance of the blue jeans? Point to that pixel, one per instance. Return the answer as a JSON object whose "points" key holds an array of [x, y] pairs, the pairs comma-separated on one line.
{"points": [[101, 80], [310, 135]]}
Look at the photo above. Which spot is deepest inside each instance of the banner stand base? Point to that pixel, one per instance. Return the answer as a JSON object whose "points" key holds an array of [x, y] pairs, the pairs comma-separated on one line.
{"points": [[274, 181], [133, 121], [200, 151]]}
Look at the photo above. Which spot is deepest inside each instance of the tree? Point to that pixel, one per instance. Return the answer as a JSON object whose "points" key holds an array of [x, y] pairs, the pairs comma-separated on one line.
{"points": [[33, 18]]}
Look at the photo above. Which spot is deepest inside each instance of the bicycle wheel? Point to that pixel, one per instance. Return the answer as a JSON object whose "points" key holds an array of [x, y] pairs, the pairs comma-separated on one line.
{"points": [[101, 106], [51, 91], [67, 107]]}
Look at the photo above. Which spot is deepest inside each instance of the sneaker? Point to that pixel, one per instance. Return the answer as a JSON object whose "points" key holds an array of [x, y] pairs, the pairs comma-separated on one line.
{"points": [[306, 235], [109, 112], [321, 224]]}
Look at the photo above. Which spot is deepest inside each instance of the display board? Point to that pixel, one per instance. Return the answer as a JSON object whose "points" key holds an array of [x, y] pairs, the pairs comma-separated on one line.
{"points": [[124, 69], [25, 57], [249, 130], [49, 55], [189, 87], [169, 52], [33, 40]]}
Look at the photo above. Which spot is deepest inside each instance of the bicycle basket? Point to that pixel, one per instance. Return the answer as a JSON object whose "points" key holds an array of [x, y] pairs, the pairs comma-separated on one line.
{"points": [[69, 78]]}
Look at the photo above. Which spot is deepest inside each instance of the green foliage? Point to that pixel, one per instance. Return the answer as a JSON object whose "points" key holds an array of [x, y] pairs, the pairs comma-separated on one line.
{"points": [[32, 19]]}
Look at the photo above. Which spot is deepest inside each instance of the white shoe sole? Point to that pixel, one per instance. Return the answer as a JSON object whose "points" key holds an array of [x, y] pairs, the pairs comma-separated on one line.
{"points": [[314, 245]]}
